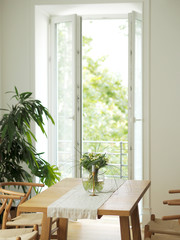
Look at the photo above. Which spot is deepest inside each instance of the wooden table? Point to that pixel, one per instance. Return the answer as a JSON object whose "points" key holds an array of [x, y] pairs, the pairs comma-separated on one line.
{"points": [[123, 203]]}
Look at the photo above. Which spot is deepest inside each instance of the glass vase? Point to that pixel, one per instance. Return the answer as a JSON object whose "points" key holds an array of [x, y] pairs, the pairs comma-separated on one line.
{"points": [[87, 180]]}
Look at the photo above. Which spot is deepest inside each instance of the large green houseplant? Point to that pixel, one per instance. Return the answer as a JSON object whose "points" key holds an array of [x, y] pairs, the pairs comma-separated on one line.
{"points": [[16, 142]]}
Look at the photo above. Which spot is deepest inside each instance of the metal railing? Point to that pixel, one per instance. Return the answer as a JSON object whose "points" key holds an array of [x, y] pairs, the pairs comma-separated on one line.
{"points": [[117, 151]]}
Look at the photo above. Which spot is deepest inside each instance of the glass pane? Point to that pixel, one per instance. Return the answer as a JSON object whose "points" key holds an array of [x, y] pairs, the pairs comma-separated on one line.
{"points": [[65, 98], [138, 70], [105, 90]]}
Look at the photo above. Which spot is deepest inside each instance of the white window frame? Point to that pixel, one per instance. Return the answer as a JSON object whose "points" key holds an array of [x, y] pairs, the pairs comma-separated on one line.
{"points": [[53, 100], [76, 20], [34, 5], [132, 17]]}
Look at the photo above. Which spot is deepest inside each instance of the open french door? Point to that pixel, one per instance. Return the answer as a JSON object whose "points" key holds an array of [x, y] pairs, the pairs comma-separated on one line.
{"points": [[66, 87], [66, 94]]}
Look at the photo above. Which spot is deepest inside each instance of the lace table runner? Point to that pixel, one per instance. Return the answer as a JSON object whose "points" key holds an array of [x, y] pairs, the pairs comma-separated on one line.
{"points": [[78, 204]]}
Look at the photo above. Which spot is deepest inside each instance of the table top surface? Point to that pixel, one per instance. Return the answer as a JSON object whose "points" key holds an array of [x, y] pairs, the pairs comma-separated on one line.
{"points": [[122, 202]]}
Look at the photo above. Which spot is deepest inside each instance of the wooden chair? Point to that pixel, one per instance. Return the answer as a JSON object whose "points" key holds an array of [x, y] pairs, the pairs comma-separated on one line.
{"points": [[33, 218], [168, 224], [6, 198], [27, 219], [26, 186], [163, 237], [19, 234]]}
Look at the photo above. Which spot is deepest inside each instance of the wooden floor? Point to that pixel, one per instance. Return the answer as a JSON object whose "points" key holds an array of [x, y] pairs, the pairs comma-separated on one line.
{"points": [[107, 228], [102, 229]]}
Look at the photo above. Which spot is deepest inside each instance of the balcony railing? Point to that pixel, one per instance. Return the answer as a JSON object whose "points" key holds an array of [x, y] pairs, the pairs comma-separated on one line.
{"points": [[117, 151]]}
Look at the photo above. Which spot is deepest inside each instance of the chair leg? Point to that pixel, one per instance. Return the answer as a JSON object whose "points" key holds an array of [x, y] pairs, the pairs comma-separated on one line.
{"points": [[147, 233], [55, 230], [36, 228], [153, 217]]}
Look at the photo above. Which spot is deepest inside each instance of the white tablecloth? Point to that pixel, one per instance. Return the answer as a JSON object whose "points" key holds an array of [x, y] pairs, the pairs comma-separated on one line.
{"points": [[78, 204]]}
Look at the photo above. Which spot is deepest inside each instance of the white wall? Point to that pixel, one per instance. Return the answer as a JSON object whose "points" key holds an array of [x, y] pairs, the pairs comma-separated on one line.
{"points": [[16, 46], [41, 71], [17, 41], [165, 102]]}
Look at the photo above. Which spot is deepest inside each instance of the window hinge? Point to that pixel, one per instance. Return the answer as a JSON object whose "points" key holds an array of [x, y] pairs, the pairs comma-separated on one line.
{"points": [[78, 100]]}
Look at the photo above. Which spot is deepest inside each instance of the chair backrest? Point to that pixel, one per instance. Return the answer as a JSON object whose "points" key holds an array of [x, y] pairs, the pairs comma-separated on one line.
{"points": [[27, 186], [7, 196], [6, 199]]}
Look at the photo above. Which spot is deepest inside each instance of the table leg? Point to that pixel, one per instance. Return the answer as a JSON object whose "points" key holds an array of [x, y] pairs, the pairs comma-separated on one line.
{"points": [[63, 229], [136, 230], [125, 228], [46, 227]]}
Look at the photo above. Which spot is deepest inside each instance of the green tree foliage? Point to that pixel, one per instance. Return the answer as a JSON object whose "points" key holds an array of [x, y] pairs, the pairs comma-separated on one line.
{"points": [[105, 103]]}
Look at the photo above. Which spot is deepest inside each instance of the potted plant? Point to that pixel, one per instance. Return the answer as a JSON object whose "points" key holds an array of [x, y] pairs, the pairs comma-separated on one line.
{"points": [[93, 162], [16, 142]]}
